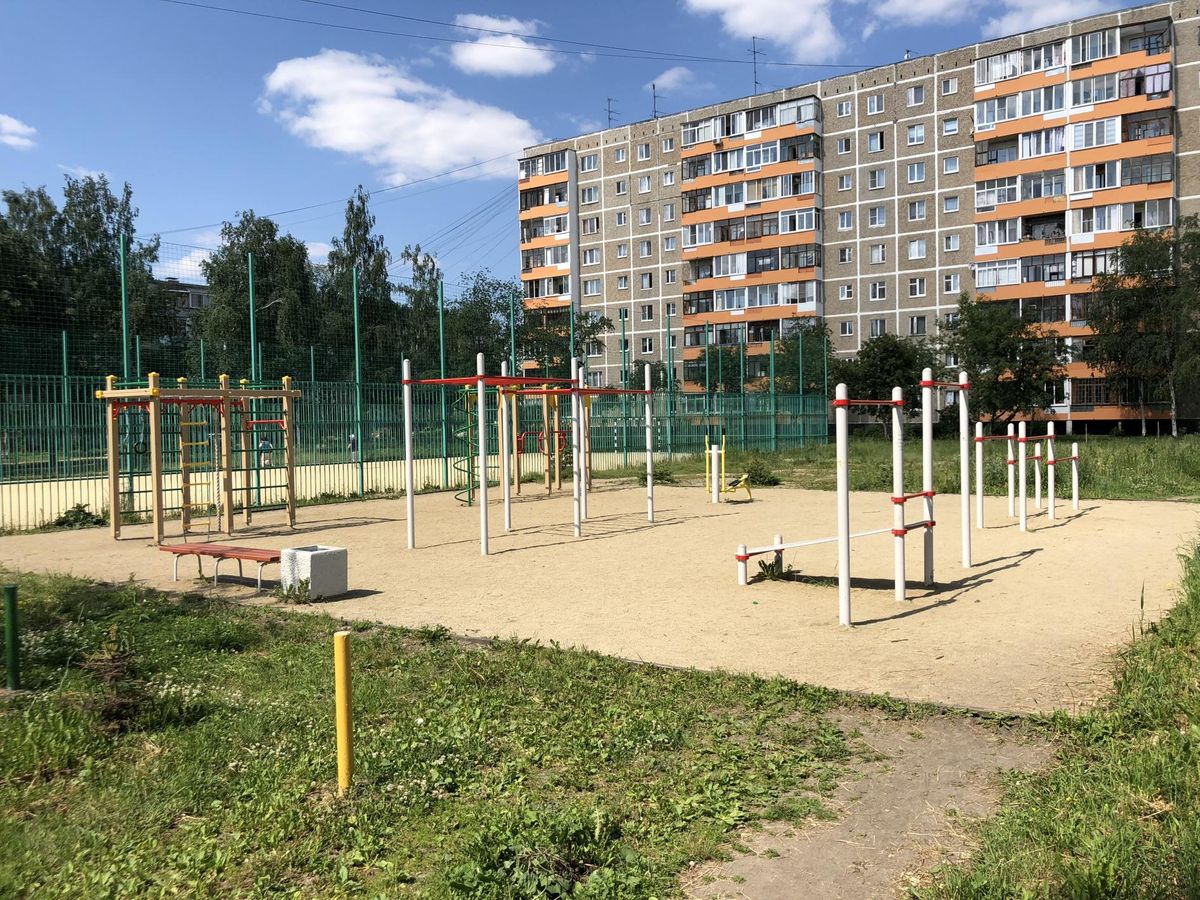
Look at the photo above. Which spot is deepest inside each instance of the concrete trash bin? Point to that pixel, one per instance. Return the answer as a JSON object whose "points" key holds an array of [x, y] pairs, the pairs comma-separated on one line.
{"points": [[323, 568]]}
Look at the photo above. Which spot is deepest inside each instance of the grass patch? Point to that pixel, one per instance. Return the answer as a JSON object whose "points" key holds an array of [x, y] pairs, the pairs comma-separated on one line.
{"points": [[1116, 816], [177, 744]]}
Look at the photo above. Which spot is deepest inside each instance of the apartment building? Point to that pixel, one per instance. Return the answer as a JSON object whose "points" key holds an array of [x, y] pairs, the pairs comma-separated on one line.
{"points": [[870, 201]]}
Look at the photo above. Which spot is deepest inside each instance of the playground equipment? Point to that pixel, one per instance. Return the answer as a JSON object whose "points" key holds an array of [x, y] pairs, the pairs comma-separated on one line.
{"points": [[715, 481], [509, 386], [202, 422], [1018, 438], [899, 528]]}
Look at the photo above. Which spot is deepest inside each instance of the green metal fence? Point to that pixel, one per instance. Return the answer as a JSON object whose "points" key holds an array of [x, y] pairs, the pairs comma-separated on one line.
{"points": [[53, 452]]}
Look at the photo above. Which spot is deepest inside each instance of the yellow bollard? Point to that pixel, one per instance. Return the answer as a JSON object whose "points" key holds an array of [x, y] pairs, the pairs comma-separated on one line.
{"points": [[345, 725]]}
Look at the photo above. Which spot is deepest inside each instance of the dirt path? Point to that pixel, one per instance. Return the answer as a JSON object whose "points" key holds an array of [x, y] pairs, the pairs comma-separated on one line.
{"points": [[909, 812]]}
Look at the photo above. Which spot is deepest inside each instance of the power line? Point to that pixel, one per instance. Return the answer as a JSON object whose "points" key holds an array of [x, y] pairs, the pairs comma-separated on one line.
{"points": [[657, 55]]}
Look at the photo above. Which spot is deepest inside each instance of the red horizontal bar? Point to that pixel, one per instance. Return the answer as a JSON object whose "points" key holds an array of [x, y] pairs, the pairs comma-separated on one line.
{"points": [[906, 497], [966, 386], [488, 380], [994, 437], [868, 402]]}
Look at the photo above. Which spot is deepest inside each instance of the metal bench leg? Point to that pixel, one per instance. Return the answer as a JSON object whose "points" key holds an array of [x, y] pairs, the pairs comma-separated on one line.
{"points": [[260, 568], [239, 562], [216, 570], [175, 570], [199, 567]]}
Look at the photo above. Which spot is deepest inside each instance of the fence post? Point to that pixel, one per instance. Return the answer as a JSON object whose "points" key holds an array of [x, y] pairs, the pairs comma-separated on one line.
{"points": [[441, 312], [312, 364], [124, 314], [742, 380], [12, 644], [64, 452], [253, 338], [624, 398], [344, 716], [361, 444], [203, 374]]}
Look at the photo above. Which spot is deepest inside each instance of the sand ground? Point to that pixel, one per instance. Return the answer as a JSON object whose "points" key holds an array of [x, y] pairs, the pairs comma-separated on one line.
{"points": [[1031, 627]]}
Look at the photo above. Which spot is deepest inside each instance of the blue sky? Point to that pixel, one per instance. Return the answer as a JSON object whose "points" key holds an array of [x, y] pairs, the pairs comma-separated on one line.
{"points": [[207, 113]]}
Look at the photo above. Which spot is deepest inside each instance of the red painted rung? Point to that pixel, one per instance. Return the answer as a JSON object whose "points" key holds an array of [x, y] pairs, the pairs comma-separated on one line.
{"points": [[947, 384], [906, 497], [994, 437], [868, 402]]}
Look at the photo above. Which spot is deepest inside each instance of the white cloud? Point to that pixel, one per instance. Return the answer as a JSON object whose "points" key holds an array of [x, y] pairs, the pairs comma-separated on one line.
{"points": [[1021, 15], [367, 107], [83, 171], [906, 12], [318, 251], [500, 54], [804, 28], [674, 79], [181, 263], [16, 134]]}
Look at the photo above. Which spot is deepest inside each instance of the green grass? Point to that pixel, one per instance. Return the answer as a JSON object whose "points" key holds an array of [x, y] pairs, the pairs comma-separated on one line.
{"points": [[1119, 813], [1110, 468], [175, 744]]}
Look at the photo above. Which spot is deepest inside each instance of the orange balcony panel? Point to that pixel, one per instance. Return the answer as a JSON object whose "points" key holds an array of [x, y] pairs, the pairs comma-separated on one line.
{"points": [[1028, 289], [536, 181], [1046, 205], [751, 314], [721, 248], [1123, 150], [541, 212], [1024, 248], [756, 208], [556, 302], [1119, 63], [1021, 167], [545, 272], [546, 240], [788, 167], [775, 133], [724, 282], [1020, 83], [1037, 206], [1121, 107]]}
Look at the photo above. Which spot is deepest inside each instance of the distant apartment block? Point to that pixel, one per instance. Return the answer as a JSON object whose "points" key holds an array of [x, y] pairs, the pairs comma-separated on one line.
{"points": [[870, 201]]}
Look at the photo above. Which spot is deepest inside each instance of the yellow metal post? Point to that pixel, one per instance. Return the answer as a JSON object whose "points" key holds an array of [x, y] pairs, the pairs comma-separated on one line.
{"points": [[185, 461], [289, 449], [546, 437], [345, 724], [226, 458]]}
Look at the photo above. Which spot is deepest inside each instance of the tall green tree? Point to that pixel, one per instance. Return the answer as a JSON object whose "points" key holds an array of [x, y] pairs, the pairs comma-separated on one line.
{"points": [[545, 338], [883, 363], [478, 322], [723, 371], [1013, 361], [1146, 314], [810, 340], [287, 321], [418, 314]]}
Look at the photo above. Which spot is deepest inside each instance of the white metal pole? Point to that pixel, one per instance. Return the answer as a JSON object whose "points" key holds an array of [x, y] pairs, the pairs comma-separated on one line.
{"points": [[649, 448], [505, 456], [481, 416], [927, 468], [1022, 511], [1050, 467], [979, 475], [1075, 477], [585, 427], [1037, 475], [743, 568], [409, 493], [1011, 462], [841, 432], [898, 490], [714, 462], [964, 465], [576, 402]]}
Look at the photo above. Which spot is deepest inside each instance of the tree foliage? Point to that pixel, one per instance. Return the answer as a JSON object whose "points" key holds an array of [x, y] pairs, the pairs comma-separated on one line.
{"points": [[883, 363], [1012, 361]]}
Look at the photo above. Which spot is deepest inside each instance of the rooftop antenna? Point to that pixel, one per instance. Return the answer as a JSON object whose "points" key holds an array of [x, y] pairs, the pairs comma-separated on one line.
{"points": [[653, 100], [755, 53], [611, 113]]}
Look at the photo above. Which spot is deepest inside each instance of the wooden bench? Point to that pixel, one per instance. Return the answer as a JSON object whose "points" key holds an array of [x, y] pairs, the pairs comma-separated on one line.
{"points": [[220, 552]]}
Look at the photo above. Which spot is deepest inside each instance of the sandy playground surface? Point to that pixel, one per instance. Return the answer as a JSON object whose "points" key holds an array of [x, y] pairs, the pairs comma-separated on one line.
{"points": [[1030, 627]]}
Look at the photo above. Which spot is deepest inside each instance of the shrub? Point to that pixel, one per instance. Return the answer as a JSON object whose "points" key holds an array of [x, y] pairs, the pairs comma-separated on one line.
{"points": [[761, 474], [79, 516]]}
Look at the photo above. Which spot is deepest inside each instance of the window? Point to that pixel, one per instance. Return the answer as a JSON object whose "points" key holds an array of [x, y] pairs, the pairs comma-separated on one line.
{"points": [[846, 292], [916, 248], [797, 220], [1041, 143], [916, 135], [643, 151], [845, 221], [668, 243], [590, 224], [645, 248], [591, 256], [622, 251], [1042, 184], [594, 348], [1042, 100], [843, 108], [876, 179], [671, 311], [950, 126], [874, 104], [847, 329], [1089, 47], [950, 165], [875, 141], [950, 283], [588, 163], [669, 278], [950, 203], [621, 218], [623, 283], [644, 184], [694, 235], [668, 177], [949, 86], [589, 194], [878, 253], [1152, 81], [623, 313], [916, 324], [668, 212], [1147, 169], [845, 254], [843, 145], [1003, 231], [1038, 59], [878, 290], [1097, 89], [998, 68], [916, 210], [647, 312], [995, 192], [591, 287], [916, 172], [952, 242], [729, 194], [1086, 263], [1095, 134], [844, 183], [916, 95], [1044, 268], [996, 109], [994, 274], [668, 144], [644, 216], [621, 154], [1096, 218], [647, 280], [1096, 177], [878, 327], [647, 345], [622, 186], [877, 216]]}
